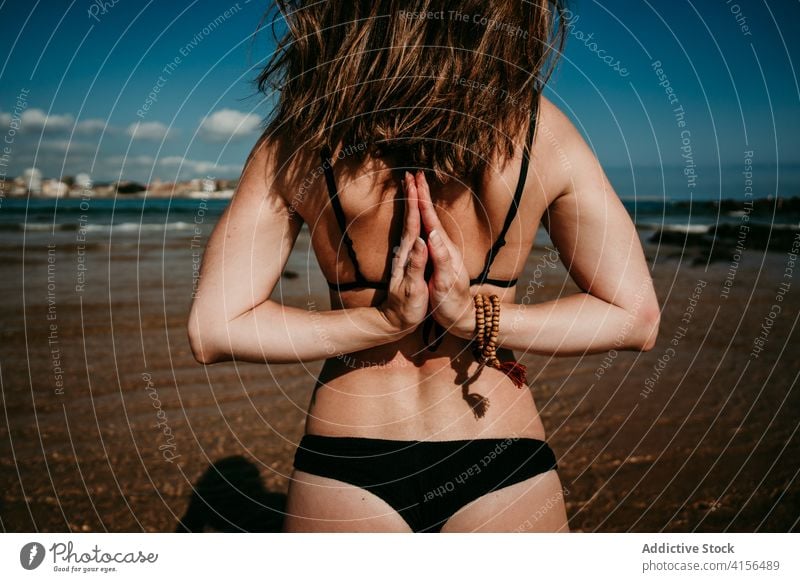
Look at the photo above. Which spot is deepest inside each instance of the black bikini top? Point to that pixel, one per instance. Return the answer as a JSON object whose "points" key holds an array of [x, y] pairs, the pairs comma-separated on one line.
{"points": [[361, 282]]}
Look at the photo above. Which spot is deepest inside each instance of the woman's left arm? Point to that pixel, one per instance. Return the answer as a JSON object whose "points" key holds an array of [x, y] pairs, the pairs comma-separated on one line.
{"points": [[597, 241]]}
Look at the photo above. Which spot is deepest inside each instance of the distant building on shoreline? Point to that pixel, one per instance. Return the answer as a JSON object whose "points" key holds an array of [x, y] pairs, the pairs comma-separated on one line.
{"points": [[31, 184]]}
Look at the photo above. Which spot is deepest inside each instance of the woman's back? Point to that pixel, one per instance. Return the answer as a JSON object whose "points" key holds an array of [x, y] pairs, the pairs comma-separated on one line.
{"points": [[412, 388]]}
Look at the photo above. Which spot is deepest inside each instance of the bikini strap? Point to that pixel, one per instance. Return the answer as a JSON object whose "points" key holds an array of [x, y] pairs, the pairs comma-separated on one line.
{"points": [[338, 211], [512, 211]]}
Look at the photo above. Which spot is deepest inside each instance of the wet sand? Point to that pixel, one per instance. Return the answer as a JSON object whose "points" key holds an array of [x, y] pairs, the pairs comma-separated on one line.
{"points": [[109, 424]]}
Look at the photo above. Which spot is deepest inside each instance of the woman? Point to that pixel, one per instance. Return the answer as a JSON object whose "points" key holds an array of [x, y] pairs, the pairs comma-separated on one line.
{"points": [[409, 138]]}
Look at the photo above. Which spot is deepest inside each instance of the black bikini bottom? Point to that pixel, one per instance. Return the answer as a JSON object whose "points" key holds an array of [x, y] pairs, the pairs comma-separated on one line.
{"points": [[426, 482]]}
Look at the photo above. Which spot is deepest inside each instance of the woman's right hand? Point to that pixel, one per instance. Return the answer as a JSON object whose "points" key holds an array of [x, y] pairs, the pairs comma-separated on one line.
{"points": [[406, 303]]}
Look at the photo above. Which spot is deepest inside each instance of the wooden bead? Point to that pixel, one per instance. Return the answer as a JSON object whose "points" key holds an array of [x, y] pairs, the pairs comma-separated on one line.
{"points": [[487, 325], [480, 320]]}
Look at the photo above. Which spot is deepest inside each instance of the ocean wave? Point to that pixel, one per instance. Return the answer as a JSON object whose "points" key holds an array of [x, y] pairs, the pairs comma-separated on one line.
{"points": [[45, 226], [690, 228], [118, 227], [140, 226]]}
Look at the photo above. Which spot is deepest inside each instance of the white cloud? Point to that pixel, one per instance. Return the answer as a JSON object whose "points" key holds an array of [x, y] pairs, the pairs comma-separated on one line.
{"points": [[153, 130], [196, 167], [65, 145], [35, 120], [228, 124], [172, 161], [38, 120], [90, 126], [130, 160]]}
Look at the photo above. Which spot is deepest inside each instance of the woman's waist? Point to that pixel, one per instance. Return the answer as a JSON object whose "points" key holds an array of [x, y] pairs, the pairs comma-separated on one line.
{"points": [[408, 357], [403, 399], [410, 375]]}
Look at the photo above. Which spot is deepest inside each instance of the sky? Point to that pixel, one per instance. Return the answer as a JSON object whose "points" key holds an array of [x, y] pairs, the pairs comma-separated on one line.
{"points": [[676, 97]]}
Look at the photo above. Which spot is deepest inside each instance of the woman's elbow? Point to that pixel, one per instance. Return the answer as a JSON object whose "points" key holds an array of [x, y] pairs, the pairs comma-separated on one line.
{"points": [[649, 321], [205, 348], [202, 352]]}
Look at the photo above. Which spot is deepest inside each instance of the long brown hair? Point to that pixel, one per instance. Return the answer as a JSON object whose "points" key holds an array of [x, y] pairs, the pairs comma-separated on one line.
{"points": [[438, 87]]}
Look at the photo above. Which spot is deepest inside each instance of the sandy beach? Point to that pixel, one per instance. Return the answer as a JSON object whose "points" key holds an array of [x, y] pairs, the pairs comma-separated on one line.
{"points": [[110, 425]]}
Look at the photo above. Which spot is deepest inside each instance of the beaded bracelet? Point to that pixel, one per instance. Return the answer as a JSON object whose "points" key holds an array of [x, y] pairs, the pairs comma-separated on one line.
{"points": [[487, 327]]}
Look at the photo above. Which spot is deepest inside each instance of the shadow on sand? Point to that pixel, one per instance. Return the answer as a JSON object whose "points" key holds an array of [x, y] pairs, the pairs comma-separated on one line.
{"points": [[230, 497]]}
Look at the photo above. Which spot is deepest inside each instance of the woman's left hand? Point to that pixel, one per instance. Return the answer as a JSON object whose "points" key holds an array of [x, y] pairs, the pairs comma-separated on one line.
{"points": [[448, 289]]}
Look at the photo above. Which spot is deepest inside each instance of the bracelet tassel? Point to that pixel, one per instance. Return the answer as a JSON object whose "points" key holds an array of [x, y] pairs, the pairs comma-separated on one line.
{"points": [[487, 325], [516, 371]]}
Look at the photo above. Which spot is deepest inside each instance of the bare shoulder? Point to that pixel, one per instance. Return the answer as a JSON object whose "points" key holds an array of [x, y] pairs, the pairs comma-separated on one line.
{"points": [[279, 169], [561, 156], [258, 173], [550, 114], [268, 160]]}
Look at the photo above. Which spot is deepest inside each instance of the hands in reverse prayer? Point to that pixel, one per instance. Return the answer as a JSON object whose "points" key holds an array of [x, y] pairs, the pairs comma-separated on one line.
{"points": [[447, 293]]}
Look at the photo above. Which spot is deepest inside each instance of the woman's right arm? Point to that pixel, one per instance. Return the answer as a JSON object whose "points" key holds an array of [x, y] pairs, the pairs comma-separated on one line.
{"points": [[232, 315]]}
